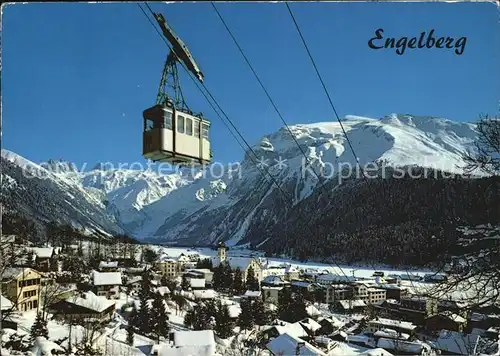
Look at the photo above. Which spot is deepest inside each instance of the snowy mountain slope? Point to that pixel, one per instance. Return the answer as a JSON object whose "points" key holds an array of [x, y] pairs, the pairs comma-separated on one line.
{"points": [[251, 205], [42, 196], [243, 205]]}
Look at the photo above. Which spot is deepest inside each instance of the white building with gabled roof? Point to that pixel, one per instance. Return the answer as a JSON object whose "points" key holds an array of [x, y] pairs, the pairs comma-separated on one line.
{"points": [[107, 284]]}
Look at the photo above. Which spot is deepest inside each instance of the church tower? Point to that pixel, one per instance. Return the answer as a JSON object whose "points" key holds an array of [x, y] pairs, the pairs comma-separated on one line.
{"points": [[221, 252]]}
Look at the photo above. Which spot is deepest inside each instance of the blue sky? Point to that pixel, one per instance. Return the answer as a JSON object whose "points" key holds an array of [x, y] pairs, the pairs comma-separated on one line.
{"points": [[76, 76]]}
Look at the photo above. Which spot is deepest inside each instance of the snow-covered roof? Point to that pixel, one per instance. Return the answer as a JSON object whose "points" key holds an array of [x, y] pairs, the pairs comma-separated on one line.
{"points": [[276, 280], [91, 301], [286, 344], [199, 343], [110, 264], [394, 323], [335, 278], [455, 342], [163, 290], [234, 310], [253, 293], [44, 347], [402, 346], [5, 303], [197, 282], [43, 252], [356, 303], [375, 352], [14, 272], [204, 294], [454, 317], [294, 329], [107, 278], [310, 324], [136, 279], [312, 311]]}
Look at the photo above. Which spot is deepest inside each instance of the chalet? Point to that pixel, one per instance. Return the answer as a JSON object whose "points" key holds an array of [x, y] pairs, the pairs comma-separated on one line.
{"points": [[44, 258], [350, 306], [417, 309], [273, 281], [446, 320], [134, 283], [329, 325], [107, 284], [393, 279], [204, 273], [335, 292], [82, 308], [22, 287], [108, 266], [291, 273], [393, 291]]}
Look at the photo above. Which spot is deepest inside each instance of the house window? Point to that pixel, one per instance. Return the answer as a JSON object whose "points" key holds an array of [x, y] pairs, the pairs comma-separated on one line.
{"points": [[180, 124]]}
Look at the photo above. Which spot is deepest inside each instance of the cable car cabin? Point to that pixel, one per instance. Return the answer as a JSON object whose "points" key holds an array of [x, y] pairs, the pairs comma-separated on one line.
{"points": [[174, 136]]}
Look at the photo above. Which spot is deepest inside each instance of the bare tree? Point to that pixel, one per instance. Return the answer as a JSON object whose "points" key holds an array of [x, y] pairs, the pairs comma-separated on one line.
{"points": [[475, 267], [487, 147]]}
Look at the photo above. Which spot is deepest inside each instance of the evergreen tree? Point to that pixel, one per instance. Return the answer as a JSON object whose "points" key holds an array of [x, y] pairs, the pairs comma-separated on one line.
{"points": [[205, 263], [201, 317], [227, 277], [259, 312], [252, 283], [238, 282], [284, 303], [160, 324], [133, 319], [223, 323], [297, 308], [144, 315], [39, 328], [245, 319], [218, 277], [185, 284], [130, 334]]}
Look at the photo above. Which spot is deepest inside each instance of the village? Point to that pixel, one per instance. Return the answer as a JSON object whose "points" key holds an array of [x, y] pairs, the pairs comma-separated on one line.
{"points": [[129, 299]]}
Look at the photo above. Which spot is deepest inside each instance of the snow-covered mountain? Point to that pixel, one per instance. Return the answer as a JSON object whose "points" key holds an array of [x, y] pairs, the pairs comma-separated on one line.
{"points": [[242, 204], [251, 204]]}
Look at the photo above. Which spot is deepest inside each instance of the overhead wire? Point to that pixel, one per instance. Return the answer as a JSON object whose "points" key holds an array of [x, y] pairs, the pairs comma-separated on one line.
{"points": [[222, 111], [330, 101], [273, 179], [272, 103]]}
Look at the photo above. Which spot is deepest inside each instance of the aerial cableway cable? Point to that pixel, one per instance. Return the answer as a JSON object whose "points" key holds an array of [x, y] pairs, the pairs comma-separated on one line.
{"points": [[273, 104], [273, 180], [289, 198], [228, 119], [331, 103]]}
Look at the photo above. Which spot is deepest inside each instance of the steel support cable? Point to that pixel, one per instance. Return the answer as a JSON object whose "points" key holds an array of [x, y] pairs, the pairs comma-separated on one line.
{"points": [[217, 104], [330, 101]]}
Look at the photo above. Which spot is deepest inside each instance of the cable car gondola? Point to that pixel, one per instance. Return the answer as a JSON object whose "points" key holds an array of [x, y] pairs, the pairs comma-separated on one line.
{"points": [[172, 132]]}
